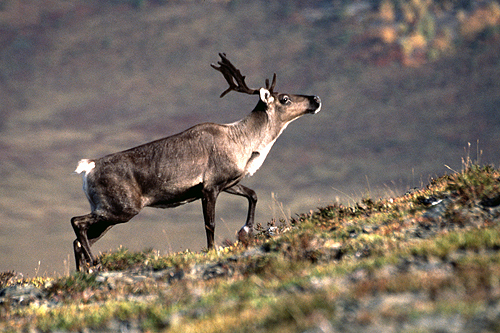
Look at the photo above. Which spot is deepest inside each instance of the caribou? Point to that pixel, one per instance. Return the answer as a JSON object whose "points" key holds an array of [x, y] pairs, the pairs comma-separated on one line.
{"points": [[198, 163]]}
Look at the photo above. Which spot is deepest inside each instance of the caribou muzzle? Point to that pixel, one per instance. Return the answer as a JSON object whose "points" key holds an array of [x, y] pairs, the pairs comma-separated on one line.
{"points": [[315, 104]]}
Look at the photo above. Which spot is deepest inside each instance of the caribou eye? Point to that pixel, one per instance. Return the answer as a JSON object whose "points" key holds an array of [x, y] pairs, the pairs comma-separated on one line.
{"points": [[285, 100]]}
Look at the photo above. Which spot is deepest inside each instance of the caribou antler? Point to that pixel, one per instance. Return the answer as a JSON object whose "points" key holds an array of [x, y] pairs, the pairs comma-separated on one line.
{"points": [[232, 74]]}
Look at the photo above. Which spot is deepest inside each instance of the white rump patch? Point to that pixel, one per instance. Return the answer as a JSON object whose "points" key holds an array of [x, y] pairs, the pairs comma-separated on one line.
{"points": [[84, 166]]}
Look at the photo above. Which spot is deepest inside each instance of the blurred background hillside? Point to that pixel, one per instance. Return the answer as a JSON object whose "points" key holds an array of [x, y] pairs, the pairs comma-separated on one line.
{"points": [[406, 85]]}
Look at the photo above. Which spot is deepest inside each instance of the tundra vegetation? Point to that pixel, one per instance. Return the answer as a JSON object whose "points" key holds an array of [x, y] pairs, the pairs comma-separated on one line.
{"points": [[428, 260]]}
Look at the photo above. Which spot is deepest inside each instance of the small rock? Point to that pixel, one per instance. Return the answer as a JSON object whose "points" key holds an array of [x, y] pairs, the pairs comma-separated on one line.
{"points": [[217, 270], [490, 202], [22, 295], [272, 231]]}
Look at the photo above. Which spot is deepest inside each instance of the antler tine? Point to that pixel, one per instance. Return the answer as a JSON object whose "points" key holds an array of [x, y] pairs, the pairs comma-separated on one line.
{"points": [[271, 88], [232, 74]]}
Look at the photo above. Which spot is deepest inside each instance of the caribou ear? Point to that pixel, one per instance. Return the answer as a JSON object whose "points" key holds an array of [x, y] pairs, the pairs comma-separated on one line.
{"points": [[265, 96]]}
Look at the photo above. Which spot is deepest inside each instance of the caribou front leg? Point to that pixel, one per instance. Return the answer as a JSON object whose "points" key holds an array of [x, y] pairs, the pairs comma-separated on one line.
{"points": [[246, 232], [208, 202]]}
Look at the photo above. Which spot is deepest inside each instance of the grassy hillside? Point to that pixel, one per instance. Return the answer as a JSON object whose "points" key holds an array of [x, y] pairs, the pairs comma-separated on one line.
{"points": [[427, 261]]}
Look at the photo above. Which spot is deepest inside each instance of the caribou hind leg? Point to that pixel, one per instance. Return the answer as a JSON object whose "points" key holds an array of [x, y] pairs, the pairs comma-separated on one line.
{"points": [[81, 245], [80, 257], [89, 229]]}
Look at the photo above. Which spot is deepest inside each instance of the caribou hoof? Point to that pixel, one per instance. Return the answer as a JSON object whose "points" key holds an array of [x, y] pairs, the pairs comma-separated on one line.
{"points": [[245, 235]]}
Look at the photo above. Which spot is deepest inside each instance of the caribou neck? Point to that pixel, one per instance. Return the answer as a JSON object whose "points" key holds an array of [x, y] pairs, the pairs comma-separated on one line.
{"points": [[258, 129]]}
